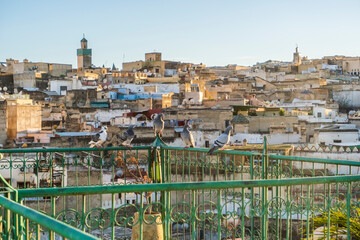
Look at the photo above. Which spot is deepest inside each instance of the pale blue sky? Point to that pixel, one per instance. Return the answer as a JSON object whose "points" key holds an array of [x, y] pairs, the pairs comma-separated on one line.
{"points": [[212, 32]]}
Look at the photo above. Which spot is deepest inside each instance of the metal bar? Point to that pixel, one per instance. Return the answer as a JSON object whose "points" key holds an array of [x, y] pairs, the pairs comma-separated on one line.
{"points": [[206, 150], [348, 208], [264, 175], [16, 150], [46, 221], [315, 160], [181, 186]]}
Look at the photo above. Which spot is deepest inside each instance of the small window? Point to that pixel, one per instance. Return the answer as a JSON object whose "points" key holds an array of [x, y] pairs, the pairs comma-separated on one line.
{"points": [[319, 114], [21, 185], [337, 141], [227, 123], [207, 144]]}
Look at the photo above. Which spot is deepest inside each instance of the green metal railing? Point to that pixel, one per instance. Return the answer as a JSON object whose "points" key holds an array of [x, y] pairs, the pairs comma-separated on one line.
{"points": [[229, 195]]}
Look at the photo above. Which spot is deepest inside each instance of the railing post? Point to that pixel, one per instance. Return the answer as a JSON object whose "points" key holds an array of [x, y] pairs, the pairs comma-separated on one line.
{"points": [[252, 196], [264, 175], [348, 206], [193, 216], [157, 170], [219, 213]]}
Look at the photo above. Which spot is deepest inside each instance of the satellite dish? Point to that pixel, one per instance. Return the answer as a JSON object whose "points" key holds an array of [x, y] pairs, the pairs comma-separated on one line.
{"points": [[0, 89], [5, 89]]}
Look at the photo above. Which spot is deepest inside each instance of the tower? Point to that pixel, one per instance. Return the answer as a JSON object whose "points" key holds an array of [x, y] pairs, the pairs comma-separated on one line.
{"points": [[83, 56], [297, 57]]}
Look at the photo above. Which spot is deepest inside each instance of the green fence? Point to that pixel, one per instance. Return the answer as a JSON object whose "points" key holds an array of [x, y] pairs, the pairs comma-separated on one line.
{"points": [[230, 195]]}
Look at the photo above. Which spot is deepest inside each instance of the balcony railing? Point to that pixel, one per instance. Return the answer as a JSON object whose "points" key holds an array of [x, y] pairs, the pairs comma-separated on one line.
{"points": [[230, 195]]}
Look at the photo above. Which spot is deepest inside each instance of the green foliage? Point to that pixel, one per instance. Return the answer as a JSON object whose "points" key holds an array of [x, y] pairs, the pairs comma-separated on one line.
{"points": [[252, 113], [338, 222], [282, 112]]}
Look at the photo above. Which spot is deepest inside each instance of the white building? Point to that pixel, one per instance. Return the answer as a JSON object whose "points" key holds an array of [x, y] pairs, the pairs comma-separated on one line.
{"points": [[61, 86], [336, 134]]}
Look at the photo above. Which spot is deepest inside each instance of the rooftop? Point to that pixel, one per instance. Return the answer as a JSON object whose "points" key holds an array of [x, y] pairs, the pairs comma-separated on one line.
{"points": [[239, 119]]}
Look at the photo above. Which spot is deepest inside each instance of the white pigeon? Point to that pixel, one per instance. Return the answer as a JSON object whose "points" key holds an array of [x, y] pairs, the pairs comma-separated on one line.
{"points": [[221, 140], [99, 138]]}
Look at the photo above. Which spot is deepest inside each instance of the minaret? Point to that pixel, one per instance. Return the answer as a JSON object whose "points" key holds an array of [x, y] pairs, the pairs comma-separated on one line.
{"points": [[83, 56], [297, 57]]}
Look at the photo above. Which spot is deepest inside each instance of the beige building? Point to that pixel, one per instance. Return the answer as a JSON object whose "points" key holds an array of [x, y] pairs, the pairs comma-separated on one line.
{"points": [[155, 67], [349, 65], [153, 63], [208, 118], [53, 69], [240, 124], [22, 115]]}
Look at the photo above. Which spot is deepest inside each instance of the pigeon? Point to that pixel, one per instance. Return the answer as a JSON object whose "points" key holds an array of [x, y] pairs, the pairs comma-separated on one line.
{"points": [[159, 124], [127, 136], [187, 136], [99, 138], [221, 140]]}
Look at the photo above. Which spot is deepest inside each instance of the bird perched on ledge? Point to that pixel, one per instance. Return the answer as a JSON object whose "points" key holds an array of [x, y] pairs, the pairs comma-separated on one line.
{"points": [[158, 124], [187, 136], [126, 137], [99, 138], [221, 140]]}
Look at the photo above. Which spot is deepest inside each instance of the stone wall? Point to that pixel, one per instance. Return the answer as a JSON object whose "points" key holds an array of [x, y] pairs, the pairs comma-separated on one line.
{"points": [[3, 125], [260, 124]]}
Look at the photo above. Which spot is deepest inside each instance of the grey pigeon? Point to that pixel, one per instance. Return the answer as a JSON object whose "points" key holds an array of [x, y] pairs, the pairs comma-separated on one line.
{"points": [[221, 140], [127, 136], [187, 136], [99, 138], [159, 124]]}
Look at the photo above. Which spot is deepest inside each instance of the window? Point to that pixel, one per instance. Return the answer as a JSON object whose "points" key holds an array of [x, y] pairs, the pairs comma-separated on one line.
{"points": [[207, 144], [227, 123], [21, 185], [319, 114], [337, 141], [44, 183]]}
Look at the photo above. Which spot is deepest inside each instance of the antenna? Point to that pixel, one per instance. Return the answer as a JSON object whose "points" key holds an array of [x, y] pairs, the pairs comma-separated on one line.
{"points": [[83, 35]]}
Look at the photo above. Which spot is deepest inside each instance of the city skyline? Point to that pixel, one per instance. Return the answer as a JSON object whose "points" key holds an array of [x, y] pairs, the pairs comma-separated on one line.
{"points": [[201, 32]]}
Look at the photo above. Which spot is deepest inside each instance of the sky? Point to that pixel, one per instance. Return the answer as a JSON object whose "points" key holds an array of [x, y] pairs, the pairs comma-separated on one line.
{"points": [[215, 33]]}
